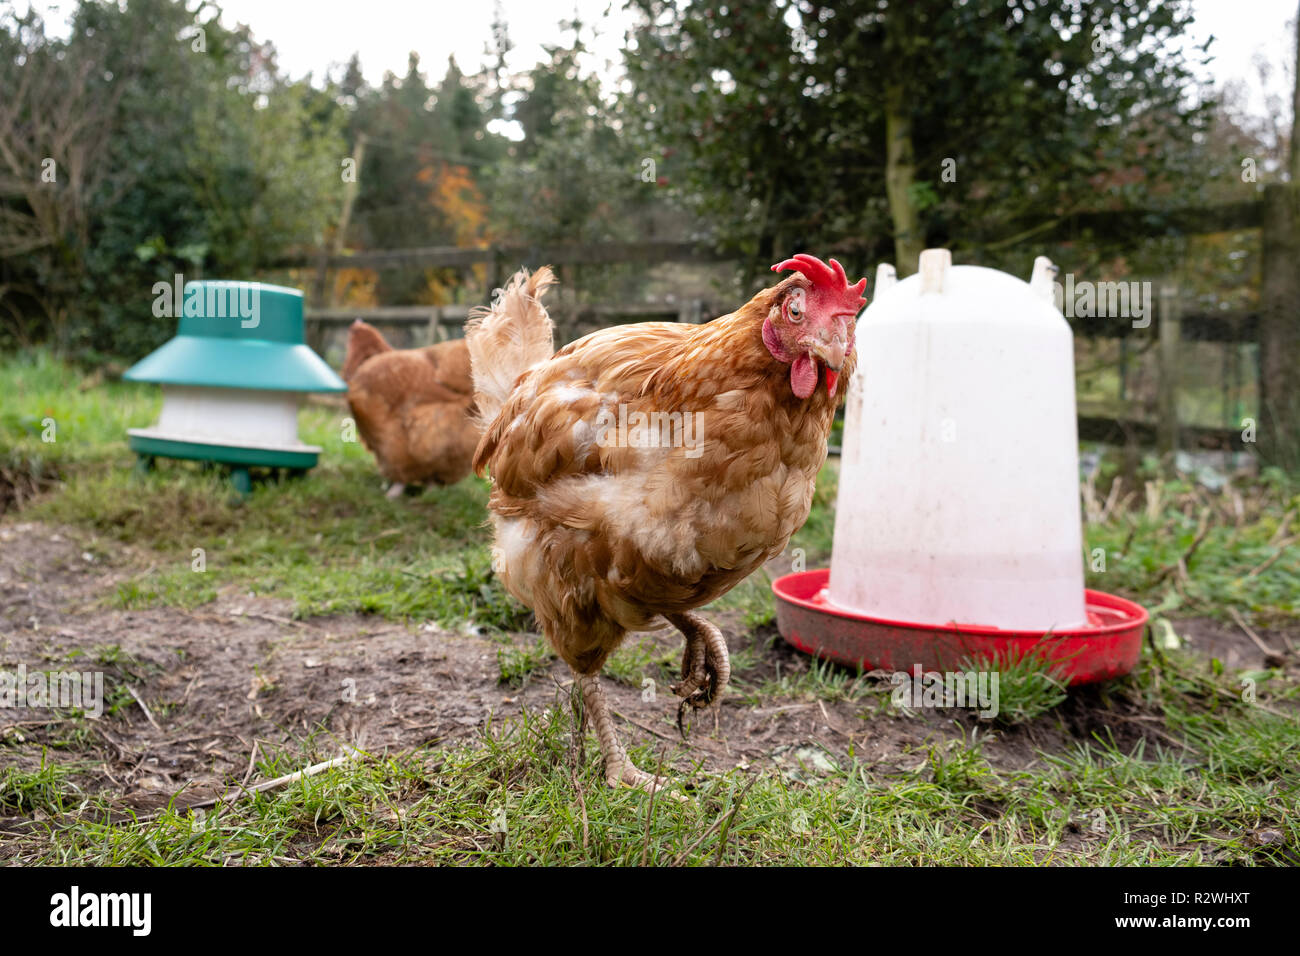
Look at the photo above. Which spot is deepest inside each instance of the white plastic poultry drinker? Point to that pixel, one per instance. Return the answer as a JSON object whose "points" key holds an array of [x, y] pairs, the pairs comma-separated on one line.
{"points": [[959, 477], [958, 529]]}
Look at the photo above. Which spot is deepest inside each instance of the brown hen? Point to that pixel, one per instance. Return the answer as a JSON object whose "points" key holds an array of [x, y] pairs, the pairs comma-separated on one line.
{"points": [[414, 408], [644, 470]]}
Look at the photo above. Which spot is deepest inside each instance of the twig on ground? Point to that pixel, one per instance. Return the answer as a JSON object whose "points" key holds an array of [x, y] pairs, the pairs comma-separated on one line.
{"points": [[1282, 526], [1157, 730], [1180, 566], [1249, 632], [726, 824], [273, 618], [1282, 547], [785, 708], [582, 804], [252, 761], [681, 857], [230, 798], [37, 723], [649, 730], [143, 706]]}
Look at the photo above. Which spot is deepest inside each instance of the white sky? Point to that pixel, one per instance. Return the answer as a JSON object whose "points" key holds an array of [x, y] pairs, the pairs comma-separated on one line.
{"points": [[312, 35]]}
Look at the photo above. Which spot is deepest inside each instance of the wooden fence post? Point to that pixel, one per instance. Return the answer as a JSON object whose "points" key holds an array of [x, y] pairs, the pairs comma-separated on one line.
{"points": [[1171, 333], [322, 294], [1279, 327]]}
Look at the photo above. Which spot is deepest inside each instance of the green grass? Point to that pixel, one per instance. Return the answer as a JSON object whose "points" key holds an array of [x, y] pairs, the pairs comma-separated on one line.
{"points": [[1142, 552], [45, 790], [518, 664], [1028, 686], [819, 680], [332, 543], [641, 657], [752, 597], [88, 417]]}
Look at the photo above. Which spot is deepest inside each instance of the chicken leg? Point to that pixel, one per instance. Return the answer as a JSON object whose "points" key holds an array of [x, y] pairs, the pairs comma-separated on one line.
{"points": [[706, 666], [619, 769]]}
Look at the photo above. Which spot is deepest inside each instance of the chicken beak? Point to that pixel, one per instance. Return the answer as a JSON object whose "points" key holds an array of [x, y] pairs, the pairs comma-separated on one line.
{"points": [[832, 356]]}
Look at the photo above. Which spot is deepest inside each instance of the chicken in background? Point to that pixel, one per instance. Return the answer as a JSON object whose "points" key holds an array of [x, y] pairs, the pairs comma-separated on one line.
{"points": [[644, 470], [414, 408]]}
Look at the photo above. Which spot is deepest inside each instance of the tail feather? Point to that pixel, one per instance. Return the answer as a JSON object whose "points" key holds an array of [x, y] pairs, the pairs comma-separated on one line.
{"points": [[508, 338], [363, 342]]}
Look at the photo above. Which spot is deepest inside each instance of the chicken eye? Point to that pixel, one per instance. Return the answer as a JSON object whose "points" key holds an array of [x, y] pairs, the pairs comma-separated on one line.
{"points": [[793, 311]]}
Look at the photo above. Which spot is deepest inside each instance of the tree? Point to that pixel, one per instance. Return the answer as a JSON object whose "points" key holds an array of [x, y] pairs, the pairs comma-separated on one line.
{"points": [[575, 176], [427, 152], [841, 124], [200, 159], [55, 127]]}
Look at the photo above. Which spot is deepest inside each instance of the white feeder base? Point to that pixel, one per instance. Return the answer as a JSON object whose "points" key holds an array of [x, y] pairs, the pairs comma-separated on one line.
{"points": [[244, 418]]}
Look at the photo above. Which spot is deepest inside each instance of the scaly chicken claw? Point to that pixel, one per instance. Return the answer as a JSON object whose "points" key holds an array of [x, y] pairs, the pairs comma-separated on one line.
{"points": [[620, 771], [706, 666]]}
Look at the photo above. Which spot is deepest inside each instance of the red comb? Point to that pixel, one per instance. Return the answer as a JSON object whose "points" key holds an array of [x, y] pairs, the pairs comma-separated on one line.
{"points": [[827, 279]]}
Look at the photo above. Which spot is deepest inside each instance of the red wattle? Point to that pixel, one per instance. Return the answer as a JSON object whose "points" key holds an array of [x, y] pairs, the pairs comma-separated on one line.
{"points": [[831, 378], [803, 376]]}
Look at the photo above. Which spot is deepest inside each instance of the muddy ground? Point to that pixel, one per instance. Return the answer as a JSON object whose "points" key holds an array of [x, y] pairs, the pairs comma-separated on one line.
{"points": [[198, 690]]}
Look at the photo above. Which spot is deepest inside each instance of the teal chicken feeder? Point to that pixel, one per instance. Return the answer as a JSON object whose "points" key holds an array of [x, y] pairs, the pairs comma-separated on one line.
{"points": [[233, 379]]}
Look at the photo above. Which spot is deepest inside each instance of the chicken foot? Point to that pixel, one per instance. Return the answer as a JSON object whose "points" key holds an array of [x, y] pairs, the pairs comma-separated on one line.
{"points": [[395, 490], [706, 666], [619, 769]]}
